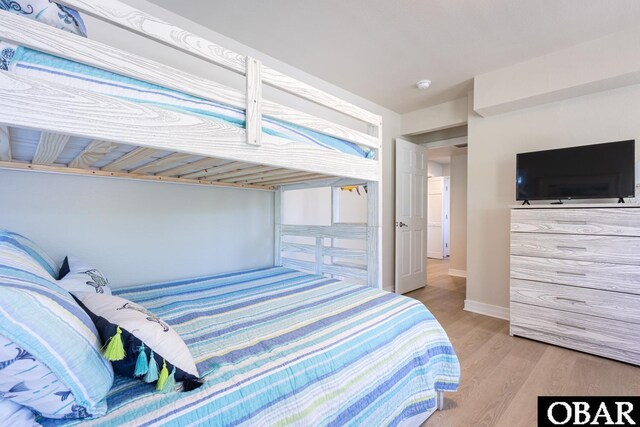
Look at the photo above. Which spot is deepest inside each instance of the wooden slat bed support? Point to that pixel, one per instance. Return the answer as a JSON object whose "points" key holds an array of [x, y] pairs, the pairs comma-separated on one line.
{"points": [[92, 154], [238, 174], [268, 176], [124, 175], [213, 171], [49, 148], [39, 36], [5, 144], [131, 158], [302, 176], [164, 163], [198, 165]]}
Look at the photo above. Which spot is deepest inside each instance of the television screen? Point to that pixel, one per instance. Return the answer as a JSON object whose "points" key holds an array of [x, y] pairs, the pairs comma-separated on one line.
{"points": [[586, 172]]}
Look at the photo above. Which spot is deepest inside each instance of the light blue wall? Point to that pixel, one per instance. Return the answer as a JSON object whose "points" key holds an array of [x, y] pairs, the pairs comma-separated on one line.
{"points": [[139, 232]]}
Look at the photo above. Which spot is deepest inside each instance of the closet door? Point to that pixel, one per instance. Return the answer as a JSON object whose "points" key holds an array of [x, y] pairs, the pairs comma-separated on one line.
{"points": [[435, 218]]}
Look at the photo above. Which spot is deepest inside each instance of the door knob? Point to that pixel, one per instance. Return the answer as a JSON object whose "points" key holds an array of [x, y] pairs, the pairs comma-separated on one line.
{"points": [[401, 224]]}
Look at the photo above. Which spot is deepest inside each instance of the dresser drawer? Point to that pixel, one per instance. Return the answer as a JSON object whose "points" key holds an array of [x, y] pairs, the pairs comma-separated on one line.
{"points": [[612, 221], [609, 338], [604, 276], [607, 249], [610, 305]]}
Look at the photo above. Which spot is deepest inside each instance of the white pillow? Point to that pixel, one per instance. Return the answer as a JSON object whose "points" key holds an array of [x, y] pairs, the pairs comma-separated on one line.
{"points": [[138, 334], [16, 415], [78, 276]]}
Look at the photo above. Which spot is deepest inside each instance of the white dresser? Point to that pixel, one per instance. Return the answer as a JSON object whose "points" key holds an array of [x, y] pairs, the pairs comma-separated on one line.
{"points": [[575, 277]]}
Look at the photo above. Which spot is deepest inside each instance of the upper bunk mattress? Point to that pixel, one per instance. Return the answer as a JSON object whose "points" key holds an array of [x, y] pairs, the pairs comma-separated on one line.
{"points": [[281, 347], [29, 62]]}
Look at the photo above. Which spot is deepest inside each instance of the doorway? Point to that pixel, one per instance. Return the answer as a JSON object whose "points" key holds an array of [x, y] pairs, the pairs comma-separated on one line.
{"points": [[447, 214]]}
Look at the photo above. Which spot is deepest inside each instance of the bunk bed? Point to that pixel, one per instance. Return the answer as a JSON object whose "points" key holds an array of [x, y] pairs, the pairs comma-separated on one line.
{"points": [[73, 105]]}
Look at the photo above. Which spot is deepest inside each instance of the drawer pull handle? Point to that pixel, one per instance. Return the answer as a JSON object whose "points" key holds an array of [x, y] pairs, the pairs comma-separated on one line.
{"points": [[566, 273], [560, 221], [571, 300], [572, 248], [571, 326]]}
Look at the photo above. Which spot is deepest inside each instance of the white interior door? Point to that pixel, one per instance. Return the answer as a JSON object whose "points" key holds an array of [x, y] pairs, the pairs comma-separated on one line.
{"points": [[435, 218], [411, 216]]}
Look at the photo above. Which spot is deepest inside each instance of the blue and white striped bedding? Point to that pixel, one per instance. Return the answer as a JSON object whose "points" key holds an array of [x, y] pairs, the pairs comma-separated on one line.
{"points": [[34, 63], [281, 347], [42, 318]]}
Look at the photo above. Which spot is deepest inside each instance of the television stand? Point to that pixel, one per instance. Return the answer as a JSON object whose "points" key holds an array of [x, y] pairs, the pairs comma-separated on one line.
{"points": [[526, 202], [620, 200]]}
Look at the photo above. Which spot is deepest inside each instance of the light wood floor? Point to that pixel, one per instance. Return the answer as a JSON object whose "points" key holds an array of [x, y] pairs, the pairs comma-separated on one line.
{"points": [[503, 375]]}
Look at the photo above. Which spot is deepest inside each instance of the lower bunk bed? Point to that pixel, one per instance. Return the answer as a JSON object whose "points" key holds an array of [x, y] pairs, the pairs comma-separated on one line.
{"points": [[280, 347]]}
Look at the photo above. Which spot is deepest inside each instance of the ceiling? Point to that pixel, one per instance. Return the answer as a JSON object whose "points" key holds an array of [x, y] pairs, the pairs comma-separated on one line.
{"points": [[378, 49], [443, 155]]}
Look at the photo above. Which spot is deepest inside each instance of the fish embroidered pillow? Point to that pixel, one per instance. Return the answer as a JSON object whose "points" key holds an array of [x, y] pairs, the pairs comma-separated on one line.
{"points": [[78, 276], [140, 344], [26, 381]]}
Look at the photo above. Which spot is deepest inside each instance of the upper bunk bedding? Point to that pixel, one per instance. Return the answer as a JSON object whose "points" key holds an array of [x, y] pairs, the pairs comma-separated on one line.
{"points": [[33, 63], [281, 347]]}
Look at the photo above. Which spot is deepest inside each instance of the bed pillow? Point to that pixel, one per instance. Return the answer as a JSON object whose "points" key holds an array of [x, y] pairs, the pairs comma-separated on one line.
{"points": [[26, 381], [140, 344], [47, 322], [13, 414], [49, 13], [26, 245], [77, 276]]}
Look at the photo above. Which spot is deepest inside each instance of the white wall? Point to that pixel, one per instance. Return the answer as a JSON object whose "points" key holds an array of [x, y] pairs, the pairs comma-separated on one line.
{"points": [[139, 232], [307, 207], [442, 116], [458, 214], [493, 145], [434, 169], [605, 63]]}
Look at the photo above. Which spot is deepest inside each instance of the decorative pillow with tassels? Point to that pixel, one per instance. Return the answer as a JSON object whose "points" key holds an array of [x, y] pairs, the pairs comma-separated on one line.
{"points": [[139, 344]]}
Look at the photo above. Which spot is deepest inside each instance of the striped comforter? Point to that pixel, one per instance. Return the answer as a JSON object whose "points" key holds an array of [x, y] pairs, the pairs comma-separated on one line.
{"points": [[281, 347]]}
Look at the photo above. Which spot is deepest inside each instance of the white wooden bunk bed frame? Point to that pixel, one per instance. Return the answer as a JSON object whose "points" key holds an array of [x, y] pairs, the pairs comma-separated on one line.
{"points": [[233, 156]]}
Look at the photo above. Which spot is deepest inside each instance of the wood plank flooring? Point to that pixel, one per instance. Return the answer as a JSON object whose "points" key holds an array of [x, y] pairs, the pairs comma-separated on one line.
{"points": [[502, 376]]}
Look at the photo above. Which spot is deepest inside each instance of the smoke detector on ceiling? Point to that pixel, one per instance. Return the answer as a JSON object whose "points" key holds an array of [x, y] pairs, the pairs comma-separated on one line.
{"points": [[423, 84]]}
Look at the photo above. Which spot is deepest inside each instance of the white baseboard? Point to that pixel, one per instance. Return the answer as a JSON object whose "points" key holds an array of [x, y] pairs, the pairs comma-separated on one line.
{"points": [[457, 273], [486, 309]]}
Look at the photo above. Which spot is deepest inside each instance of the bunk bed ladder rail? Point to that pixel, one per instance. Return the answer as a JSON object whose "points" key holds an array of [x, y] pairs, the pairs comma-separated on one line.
{"points": [[253, 116]]}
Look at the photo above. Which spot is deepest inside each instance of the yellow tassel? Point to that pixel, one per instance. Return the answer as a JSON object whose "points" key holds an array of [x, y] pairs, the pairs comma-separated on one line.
{"points": [[114, 349], [164, 374]]}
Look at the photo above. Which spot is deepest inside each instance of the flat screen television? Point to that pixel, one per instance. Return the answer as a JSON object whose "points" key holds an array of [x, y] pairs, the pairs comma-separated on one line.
{"points": [[587, 172]]}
